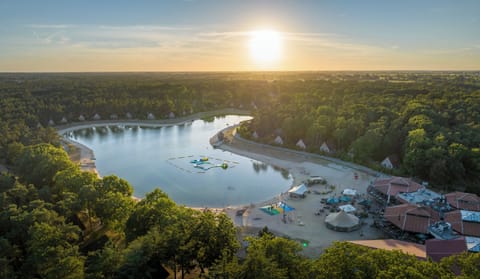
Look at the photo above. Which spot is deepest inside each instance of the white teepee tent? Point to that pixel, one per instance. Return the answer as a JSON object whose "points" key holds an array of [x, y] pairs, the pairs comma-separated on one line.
{"points": [[278, 140], [301, 144]]}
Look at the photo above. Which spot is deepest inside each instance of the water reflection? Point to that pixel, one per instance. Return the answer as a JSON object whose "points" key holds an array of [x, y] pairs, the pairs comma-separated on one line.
{"points": [[151, 156], [259, 166], [101, 131], [116, 129]]}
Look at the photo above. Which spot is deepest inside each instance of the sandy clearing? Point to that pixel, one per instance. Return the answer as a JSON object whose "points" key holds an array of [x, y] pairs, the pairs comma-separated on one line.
{"points": [[302, 223]]}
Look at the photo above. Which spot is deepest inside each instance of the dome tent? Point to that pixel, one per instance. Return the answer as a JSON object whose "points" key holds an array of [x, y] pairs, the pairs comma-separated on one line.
{"points": [[342, 222]]}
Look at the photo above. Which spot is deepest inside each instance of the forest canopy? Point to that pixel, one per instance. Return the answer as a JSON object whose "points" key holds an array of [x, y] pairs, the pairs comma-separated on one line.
{"points": [[59, 222], [429, 122]]}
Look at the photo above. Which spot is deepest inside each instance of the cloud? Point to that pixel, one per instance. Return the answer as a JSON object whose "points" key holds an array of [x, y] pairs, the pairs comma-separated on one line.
{"points": [[182, 38], [145, 27], [210, 47], [329, 41], [50, 26]]}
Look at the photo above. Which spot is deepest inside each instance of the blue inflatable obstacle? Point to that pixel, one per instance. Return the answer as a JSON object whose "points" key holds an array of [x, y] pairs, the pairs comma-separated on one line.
{"points": [[200, 161], [204, 164]]}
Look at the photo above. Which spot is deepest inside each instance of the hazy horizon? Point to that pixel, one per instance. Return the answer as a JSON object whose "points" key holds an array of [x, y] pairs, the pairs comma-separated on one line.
{"points": [[238, 36]]}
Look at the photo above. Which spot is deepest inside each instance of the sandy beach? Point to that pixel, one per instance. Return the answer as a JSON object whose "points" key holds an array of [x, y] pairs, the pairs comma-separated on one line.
{"points": [[302, 223]]}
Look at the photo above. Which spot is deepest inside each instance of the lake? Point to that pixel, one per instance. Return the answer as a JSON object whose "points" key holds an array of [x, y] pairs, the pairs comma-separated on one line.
{"points": [[180, 160]]}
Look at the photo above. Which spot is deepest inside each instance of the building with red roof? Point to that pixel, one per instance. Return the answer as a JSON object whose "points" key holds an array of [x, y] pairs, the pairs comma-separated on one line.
{"points": [[409, 217], [464, 222], [410, 248], [385, 190], [438, 248], [465, 201]]}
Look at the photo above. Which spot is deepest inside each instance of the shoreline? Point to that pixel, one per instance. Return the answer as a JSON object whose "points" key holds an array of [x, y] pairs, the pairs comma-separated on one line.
{"points": [[148, 123], [303, 224], [87, 156]]}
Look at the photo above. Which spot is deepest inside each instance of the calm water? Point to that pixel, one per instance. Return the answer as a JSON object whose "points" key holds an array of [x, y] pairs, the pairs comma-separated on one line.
{"points": [[161, 157]]}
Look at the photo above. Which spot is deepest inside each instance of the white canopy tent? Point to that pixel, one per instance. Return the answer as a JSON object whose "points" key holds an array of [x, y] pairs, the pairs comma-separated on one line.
{"points": [[349, 192], [298, 190], [348, 208]]}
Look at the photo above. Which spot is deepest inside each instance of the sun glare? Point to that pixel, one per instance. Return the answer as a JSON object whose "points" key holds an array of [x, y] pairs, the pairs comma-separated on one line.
{"points": [[265, 46]]}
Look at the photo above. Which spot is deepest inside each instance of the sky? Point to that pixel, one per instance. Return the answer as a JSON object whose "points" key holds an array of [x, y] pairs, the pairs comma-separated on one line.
{"points": [[208, 35]]}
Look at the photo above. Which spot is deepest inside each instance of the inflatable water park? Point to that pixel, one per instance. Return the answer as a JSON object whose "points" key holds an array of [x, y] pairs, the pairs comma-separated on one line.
{"points": [[205, 164], [200, 164]]}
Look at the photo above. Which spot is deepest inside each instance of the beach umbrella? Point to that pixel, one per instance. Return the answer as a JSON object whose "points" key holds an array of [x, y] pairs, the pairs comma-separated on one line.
{"points": [[333, 200]]}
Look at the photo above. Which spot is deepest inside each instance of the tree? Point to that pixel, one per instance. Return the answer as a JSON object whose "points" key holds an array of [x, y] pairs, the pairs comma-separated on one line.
{"points": [[113, 183], [105, 263], [346, 260], [72, 180], [269, 256], [213, 236], [142, 259], [38, 164], [156, 209], [51, 253], [113, 208], [366, 146], [88, 198], [467, 264], [415, 160]]}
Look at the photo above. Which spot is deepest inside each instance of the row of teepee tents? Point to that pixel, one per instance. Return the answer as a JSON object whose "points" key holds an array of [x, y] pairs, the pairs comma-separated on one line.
{"points": [[128, 115], [300, 143]]}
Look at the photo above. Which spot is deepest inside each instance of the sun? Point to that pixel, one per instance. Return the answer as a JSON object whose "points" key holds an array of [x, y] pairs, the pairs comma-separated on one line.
{"points": [[265, 46]]}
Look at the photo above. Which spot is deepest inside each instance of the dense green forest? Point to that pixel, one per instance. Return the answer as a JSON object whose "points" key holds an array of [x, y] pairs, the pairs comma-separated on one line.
{"points": [[428, 121], [59, 222]]}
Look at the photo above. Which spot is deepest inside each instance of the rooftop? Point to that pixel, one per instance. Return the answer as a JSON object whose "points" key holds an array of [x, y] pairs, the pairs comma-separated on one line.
{"points": [[442, 230], [473, 243], [417, 250], [409, 217], [470, 216], [419, 196], [463, 200], [439, 248], [395, 185]]}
